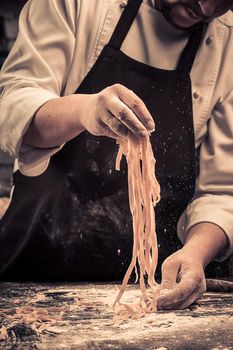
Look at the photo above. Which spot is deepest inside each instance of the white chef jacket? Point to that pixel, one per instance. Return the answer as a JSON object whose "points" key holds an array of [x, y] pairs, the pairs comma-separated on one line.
{"points": [[58, 43]]}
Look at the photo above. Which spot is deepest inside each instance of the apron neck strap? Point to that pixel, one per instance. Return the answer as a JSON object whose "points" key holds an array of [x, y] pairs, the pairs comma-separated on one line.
{"points": [[124, 23], [189, 53], [130, 12]]}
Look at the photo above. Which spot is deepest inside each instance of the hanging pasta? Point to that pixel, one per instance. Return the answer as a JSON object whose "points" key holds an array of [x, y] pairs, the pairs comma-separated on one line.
{"points": [[144, 193]]}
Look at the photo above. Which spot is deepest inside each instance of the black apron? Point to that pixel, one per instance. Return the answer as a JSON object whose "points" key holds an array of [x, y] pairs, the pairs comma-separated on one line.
{"points": [[73, 222]]}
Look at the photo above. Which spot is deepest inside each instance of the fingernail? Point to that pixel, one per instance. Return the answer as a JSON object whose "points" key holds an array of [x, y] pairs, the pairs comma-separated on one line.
{"points": [[149, 132], [151, 126]]}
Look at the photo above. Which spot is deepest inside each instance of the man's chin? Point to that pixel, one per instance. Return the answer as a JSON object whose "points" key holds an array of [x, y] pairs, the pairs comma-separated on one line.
{"points": [[178, 26], [180, 16]]}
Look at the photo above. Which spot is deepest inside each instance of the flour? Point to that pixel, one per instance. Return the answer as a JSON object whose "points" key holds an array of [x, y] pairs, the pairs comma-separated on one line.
{"points": [[87, 319]]}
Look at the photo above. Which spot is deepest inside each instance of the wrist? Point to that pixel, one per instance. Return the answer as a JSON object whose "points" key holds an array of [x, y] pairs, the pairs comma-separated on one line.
{"points": [[192, 251], [76, 112], [56, 122], [205, 241]]}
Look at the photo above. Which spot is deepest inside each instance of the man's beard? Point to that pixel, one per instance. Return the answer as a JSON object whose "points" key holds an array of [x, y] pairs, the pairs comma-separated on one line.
{"points": [[167, 10]]}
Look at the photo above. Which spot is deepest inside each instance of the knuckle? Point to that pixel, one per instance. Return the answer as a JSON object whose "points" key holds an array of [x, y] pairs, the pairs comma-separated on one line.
{"points": [[123, 114], [165, 265], [200, 280], [136, 103], [104, 97], [169, 260], [117, 86]]}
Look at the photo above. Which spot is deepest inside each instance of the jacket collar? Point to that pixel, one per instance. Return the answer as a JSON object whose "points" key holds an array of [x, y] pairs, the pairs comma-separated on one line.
{"points": [[227, 19]]}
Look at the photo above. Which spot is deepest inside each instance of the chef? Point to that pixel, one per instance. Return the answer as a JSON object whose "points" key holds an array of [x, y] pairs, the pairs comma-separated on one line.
{"points": [[84, 74]]}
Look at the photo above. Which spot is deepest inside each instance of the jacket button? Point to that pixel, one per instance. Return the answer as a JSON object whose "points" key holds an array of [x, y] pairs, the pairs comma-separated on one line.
{"points": [[123, 3], [209, 40], [196, 94]]}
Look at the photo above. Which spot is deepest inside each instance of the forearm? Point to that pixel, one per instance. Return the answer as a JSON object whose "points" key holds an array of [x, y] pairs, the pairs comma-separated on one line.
{"points": [[205, 241], [114, 112], [56, 122]]}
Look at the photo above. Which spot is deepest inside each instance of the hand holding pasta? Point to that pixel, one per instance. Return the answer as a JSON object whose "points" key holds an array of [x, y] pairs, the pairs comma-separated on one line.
{"points": [[115, 112], [183, 281]]}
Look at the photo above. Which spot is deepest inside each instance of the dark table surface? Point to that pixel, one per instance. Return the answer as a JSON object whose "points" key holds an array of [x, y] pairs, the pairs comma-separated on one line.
{"points": [[79, 316]]}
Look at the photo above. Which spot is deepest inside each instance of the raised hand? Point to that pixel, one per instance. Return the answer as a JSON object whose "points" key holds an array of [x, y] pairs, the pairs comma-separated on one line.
{"points": [[116, 111]]}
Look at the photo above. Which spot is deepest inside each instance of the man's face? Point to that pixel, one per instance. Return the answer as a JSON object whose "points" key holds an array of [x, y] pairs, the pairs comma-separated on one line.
{"points": [[186, 14]]}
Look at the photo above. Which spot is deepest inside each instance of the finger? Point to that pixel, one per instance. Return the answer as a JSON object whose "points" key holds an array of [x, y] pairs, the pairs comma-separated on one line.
{"points": [[178, 295], [183, 304], [116, 126], [137, 106], [125, 115], [170, 270], [104, 130], [197, 294]]}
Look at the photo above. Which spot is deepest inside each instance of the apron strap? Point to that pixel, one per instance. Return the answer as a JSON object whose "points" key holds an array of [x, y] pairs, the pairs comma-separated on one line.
{"points": [[189, 53], [124, 23]]}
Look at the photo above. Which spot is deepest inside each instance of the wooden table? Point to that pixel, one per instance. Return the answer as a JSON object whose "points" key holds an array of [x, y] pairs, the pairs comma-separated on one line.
{"points": [[86, 320]]}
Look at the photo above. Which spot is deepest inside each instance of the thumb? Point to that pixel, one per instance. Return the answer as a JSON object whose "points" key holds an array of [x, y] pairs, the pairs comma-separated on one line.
{"points": [[170, 269]]}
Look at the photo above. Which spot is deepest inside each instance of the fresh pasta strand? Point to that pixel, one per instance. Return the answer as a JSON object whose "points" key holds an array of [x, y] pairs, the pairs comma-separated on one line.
{"points": [[144, 194]]}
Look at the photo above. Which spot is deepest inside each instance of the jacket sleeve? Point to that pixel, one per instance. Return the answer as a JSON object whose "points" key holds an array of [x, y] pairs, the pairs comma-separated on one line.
{"points": [[213, 200], [34, 73]]}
